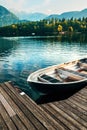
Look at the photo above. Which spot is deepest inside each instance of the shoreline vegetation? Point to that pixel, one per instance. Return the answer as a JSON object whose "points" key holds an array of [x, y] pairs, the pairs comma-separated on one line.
{"points": [[47, 27]]}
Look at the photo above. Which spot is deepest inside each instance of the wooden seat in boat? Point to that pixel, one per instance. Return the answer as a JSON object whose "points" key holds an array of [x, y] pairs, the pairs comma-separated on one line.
{"points": [[83, 66], [68, 74], [47, 78], [75, 72]]}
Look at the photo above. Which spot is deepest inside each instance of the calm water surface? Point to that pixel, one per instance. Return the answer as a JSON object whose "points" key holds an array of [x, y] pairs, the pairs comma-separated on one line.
{"points": [[20, 56]]}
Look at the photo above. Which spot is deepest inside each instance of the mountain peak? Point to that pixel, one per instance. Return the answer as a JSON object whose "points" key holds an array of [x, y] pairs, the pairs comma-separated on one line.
{"points": [[31, 16], [84, 10], [6, 17], [3, 10], [68, 15]]}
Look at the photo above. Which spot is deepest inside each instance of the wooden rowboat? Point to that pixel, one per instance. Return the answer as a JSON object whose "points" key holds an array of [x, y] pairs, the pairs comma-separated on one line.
{"points": [[60, 78]]}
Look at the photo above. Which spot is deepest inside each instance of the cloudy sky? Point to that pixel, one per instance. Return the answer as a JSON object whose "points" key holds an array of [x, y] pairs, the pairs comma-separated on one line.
{"points": [[45, 6]]}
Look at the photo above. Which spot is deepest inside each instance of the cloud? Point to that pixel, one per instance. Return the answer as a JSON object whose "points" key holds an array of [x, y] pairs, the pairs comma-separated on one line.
{"points": [[46, 2], [15, 4], [26, 5], [40, 6], [44, 6]]}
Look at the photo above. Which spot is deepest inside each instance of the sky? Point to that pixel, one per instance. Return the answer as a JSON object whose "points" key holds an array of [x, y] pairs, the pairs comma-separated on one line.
{"points": [[44, 6]]}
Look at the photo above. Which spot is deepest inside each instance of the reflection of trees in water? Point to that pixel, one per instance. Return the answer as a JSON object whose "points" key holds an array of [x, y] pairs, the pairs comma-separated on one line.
{"points": [[6, 46], [83, 38], [70, 37], [79, 38]]}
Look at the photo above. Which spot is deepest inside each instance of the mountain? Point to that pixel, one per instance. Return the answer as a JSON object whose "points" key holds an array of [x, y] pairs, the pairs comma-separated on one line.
{"points": [[6, 17], [41, 16], [82, 13], [69, 15], [31, 16]]}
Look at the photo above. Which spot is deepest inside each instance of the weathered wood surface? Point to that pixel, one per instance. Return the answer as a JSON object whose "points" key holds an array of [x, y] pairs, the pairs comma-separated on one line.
{"points": [[19, 112], [70, 113]]}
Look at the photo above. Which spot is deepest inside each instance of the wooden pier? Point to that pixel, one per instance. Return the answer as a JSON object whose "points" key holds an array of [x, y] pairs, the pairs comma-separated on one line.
{"points": [[19, 112]]}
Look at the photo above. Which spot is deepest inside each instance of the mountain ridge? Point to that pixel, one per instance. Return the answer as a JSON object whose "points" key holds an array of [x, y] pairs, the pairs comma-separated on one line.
{"points": [[69, 15], [8, 18], [31, 16]]}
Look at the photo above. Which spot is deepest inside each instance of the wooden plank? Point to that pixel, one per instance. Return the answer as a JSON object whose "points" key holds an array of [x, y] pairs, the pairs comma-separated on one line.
{"points": [[48, 118], [69, 74], [56, 116], [19, 125], [79, 122], [7, 106], [83, 65], [82, 96], [68, 117], [42, 116], [59, 117], [82, 100], [79, 111], [78, 114], [17, 110], [6, 118], [83, 92], [21, 103], [39, 113], [2, 124], [75, 72], [20, 112], [78, 103]]}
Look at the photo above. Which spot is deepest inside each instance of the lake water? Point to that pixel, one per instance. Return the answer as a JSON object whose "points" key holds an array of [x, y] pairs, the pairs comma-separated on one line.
{"points": [[20, 56]]}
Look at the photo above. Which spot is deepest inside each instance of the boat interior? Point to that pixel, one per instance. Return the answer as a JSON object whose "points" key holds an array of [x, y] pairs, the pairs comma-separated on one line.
{"points": [[67, 72]]}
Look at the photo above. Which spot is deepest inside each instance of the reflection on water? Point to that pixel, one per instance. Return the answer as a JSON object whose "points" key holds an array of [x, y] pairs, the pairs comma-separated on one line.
{"points": [[20, 56]]}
